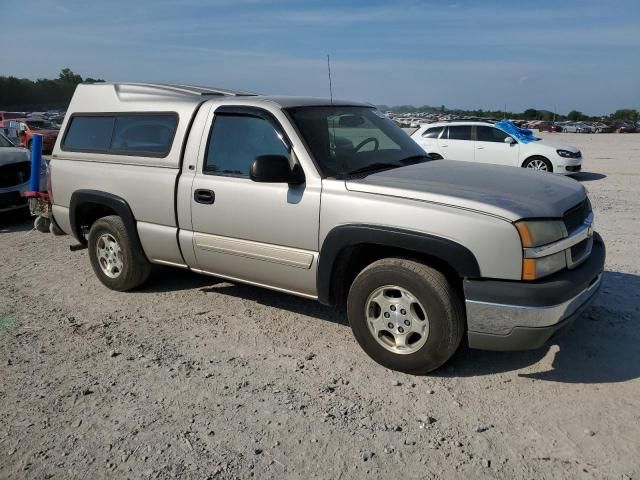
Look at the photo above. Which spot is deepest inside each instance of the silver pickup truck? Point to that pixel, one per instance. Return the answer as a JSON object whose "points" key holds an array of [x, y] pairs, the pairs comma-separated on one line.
{"points": [[328, 200]]}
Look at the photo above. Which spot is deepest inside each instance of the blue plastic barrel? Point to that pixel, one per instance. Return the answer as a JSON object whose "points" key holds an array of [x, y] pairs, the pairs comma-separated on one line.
{"points": [[36, 163]]}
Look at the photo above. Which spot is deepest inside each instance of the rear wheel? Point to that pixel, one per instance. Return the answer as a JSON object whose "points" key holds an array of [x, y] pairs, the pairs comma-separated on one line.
{"points": [[115, 260], [538, 163], [405, 315]]}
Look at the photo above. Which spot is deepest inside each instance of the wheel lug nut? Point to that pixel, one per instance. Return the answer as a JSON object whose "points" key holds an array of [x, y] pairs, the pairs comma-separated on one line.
{"points": [[393, 308], [407, 323], [386, 315], [390, 325], [401, 330], [403, 311]]}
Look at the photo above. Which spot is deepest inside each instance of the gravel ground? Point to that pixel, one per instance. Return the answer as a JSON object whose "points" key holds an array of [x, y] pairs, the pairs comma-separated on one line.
{"points": [[195, 377]]}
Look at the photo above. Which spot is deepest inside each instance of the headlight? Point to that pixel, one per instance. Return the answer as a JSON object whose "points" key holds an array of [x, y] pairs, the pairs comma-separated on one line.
{"points": [[568, 154], [534, 268], [534, 233]]}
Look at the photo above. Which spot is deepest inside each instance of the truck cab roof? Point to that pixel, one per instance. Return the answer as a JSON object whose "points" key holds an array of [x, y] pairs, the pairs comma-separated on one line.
{"points": [[145, 93]]}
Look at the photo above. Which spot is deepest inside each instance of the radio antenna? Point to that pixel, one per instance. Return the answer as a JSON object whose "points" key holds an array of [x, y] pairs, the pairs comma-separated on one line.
{"points": [[330, 86]]}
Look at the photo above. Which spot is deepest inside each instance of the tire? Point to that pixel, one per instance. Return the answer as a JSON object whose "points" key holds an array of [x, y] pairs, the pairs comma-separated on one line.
{"points": [[541, 164], [434, 156], [442, 312], [42, 224], [126, 265]]}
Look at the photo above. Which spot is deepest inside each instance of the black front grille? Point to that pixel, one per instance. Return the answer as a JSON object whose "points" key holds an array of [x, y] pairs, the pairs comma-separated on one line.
{"points": [[574, 217], [579, 250], [14, 174]]}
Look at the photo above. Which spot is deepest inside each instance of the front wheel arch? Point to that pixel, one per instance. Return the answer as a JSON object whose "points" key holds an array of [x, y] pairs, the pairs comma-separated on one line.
{"points": [[532, 158]]}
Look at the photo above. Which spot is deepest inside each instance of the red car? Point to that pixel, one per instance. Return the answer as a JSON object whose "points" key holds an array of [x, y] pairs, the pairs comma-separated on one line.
{"points": [[45, 128], [548, 127]]}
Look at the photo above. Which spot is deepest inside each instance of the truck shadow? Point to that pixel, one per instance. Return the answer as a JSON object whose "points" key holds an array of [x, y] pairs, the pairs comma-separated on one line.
{"points": [[600, 347], [166, 279]]}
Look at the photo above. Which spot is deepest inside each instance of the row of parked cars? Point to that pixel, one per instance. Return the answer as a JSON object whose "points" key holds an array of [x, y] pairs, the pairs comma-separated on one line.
{"points": [[20, 128], [583, 127]]}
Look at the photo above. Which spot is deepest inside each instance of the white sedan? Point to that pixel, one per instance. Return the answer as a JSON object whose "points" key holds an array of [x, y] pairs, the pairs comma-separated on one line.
{"points": [[485, 142]]}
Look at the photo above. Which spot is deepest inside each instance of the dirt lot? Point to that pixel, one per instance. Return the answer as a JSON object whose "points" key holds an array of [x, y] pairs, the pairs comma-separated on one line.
{"points": [[194, 377]]}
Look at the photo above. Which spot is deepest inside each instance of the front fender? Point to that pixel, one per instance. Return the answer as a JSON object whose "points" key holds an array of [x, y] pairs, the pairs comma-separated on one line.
{"points": [[453, 254]]}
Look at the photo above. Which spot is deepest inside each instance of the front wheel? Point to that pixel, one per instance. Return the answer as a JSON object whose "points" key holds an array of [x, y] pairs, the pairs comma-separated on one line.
{"points": [[117, 263], [405, 315], [538, 163]]}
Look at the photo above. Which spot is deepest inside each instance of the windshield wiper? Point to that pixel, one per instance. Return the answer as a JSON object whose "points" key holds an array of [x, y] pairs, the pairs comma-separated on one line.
{"points": [[413, 159], [374, 167]]}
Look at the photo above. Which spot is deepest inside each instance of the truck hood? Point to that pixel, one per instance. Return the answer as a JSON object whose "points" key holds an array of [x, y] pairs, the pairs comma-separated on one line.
{"points": [[508, 192], [9, 155]]}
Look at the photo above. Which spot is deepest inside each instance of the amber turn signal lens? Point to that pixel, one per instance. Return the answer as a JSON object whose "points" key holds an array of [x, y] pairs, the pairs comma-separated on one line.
{"points": [[529, 269]]}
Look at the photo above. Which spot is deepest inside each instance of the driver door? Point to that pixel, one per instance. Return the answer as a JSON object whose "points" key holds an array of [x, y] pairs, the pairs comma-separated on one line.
{"points": [[261, 233]]}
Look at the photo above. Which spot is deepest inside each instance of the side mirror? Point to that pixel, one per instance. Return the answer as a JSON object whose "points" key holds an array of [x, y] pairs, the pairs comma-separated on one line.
{"points": [[509, 140], [275, 169]]}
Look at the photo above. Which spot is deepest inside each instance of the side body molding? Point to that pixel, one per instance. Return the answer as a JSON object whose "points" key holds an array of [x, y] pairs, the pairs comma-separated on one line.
{"points": [[115, 203], [455, 255]]}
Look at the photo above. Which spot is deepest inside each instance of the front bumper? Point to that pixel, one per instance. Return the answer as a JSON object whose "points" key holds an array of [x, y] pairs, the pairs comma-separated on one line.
{"points": [[507, 315], [568, 166]]}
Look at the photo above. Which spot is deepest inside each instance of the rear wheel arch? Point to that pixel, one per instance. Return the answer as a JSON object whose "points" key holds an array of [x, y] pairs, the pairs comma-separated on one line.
{"points": [[348, 249], [88, 206]]}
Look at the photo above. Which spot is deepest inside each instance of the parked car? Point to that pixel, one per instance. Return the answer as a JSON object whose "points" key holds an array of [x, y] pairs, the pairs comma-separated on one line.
{"points": [[29, 127], [15, 169], [481, 142], [624, 127], [600, 127], [548, 127], [576, 127], [327, 200], [9, 116]]}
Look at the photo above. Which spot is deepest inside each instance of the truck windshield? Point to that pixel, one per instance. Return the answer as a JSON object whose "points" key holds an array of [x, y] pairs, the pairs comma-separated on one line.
{"points": [[354, 141]]}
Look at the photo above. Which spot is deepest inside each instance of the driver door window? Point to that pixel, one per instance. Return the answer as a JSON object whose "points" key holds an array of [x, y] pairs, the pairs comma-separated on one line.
{"points": [[236, 141]]}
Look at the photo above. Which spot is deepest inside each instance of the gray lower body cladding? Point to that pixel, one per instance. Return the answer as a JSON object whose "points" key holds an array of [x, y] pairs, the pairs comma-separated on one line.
{"points": [[524, 315]]}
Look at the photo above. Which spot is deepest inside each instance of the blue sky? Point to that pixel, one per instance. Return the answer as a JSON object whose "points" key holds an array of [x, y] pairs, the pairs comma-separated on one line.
{"points": [[461, 53]]}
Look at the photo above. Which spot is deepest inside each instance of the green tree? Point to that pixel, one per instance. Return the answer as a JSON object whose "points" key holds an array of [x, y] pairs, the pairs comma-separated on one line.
{"points": [[627, 114], [531, 114], [24, 94], [575, 115], [68, 77]]}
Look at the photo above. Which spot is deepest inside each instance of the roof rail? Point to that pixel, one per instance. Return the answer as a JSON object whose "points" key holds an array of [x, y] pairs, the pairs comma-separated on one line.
{"points": [[191, 90]]}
